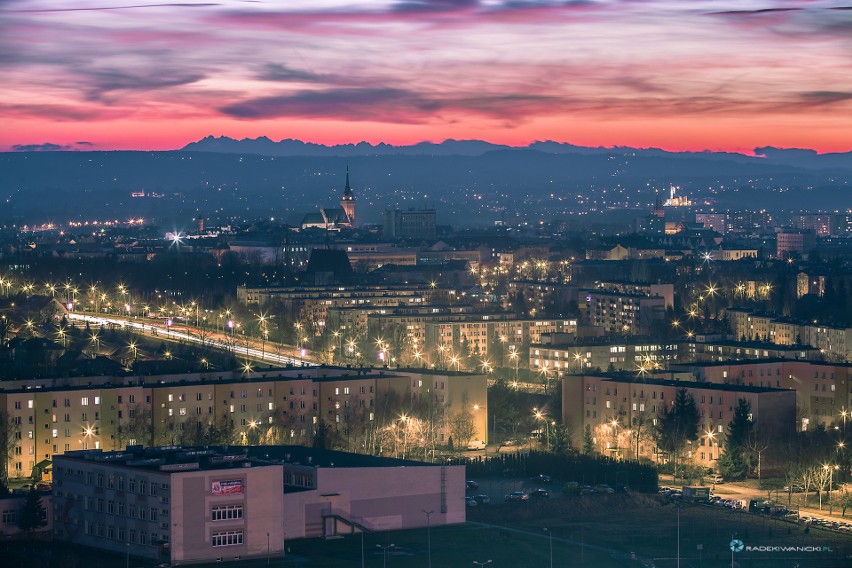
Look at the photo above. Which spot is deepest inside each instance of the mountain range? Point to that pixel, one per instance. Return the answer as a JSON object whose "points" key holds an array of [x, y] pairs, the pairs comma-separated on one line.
{"points": [[802, 158]]}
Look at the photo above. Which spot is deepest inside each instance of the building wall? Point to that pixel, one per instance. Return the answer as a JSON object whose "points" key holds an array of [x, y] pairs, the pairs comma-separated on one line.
{"points": [[395, 503], [822, 389], [192, 504], [283, 407], [10, 513], [616, 410]]}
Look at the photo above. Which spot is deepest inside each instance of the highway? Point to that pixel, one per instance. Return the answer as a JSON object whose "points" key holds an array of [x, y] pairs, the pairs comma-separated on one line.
{"points": [[212, 341]]}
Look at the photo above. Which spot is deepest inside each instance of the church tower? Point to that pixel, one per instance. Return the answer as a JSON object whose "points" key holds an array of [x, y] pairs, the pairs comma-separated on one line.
{"points": [[347, 203]]}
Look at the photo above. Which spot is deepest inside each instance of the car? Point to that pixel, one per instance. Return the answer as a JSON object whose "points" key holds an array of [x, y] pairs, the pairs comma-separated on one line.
{"points": [[540, 478], [476, 445], [470, 484], [538, 494], [586, 490], [510, 442], [716, 478], [516, 496], [470, 502], [570, 488], [604, 488], [482, 499]]}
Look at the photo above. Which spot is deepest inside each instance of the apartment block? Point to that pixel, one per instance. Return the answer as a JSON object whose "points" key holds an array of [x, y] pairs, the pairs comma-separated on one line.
{"points": [[185, 505], [823, 390], [617, 312], [622, 410], [284, 406]]}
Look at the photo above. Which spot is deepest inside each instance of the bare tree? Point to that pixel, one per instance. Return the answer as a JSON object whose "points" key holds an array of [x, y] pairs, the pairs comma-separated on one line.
{"points": [[9, 432]]}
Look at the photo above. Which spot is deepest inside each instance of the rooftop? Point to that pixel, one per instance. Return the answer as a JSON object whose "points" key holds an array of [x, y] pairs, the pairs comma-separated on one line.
{"points": [[627, 377], [175, 459]]}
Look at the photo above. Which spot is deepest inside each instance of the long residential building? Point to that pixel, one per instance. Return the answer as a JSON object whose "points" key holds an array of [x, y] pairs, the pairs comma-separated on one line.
{"points": [[834, 342], [311, 303], [51, 417], [623, 313], [621, 411], [182, 505], [823, 390]]}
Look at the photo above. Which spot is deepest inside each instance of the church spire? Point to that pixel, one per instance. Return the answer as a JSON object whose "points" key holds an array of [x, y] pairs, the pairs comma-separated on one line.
{"points": [[347, 190]]}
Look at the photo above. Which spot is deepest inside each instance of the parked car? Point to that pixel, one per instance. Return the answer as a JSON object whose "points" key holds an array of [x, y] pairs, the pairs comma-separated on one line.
{"points": [[540, 478], [469, 484], [476, 445], [570, 488], [716, 478], [470, 502], [516, 496], [482, 499], [586, 490], [604, 488], [538, 494]]}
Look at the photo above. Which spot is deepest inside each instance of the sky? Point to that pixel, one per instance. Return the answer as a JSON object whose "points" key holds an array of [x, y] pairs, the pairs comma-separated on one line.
{"points": [[674, 74]]}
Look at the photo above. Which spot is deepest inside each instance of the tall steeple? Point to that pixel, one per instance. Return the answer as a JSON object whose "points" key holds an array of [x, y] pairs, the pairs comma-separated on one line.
{"points": [[347, 202]]}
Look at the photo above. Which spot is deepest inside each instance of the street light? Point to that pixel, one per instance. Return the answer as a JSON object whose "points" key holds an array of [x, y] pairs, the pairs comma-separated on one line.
{"points": [[385, 553], [550, 535], [429, 533]]}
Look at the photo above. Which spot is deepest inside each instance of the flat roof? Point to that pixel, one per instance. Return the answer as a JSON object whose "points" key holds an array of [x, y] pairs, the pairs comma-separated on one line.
{"points": [[742, 362], [633, 379], [177, 459]]}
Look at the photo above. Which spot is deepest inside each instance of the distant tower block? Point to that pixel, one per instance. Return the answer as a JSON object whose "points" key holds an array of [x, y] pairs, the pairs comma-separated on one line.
{"points": [[347, 203], [200, 223]]}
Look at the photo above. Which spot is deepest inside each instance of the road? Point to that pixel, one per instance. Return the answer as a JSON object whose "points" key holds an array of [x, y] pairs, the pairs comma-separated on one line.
{"points": [[212, 340], [741, 492]]}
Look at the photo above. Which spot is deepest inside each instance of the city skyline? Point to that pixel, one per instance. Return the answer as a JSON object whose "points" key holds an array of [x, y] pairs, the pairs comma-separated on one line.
{"points": [[714, 75]]}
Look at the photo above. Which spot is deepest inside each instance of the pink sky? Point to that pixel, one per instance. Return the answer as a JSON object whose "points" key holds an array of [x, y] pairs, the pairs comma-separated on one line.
{"points": [[705, 74]]}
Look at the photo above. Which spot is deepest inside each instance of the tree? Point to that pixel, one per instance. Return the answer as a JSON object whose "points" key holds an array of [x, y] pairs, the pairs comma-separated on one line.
{"points": [[561, 440], [733, 464], [9, 431], [462, 427], [588, 441], [33, 515], [677, 425], [322, 436]]}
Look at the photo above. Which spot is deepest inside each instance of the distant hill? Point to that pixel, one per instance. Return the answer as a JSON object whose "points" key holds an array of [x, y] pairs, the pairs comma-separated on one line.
{"points": [[264, 146]]}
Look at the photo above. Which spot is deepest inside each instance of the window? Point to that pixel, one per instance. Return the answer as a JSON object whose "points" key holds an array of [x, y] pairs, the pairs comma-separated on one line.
{"points": [[226, 512], [10, 517], [229, 538]]}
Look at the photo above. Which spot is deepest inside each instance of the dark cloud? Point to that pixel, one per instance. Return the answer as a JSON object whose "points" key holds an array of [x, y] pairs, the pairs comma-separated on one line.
{"points": [[383, 104], [754, 12], [54, 112], [825, 97], [354, 103], [101, 82], [434, 5], [278, 72], [83, 143], [46, 147], [108, 8]]}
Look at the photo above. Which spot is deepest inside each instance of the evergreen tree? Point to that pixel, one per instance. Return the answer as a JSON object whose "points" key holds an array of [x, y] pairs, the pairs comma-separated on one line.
{"points": [[588, 441], [732, 462], [677, 425], [33, 515]]}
